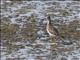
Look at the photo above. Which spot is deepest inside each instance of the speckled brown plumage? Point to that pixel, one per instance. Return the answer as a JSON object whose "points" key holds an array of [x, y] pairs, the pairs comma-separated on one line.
{"points": [[52, 31]]}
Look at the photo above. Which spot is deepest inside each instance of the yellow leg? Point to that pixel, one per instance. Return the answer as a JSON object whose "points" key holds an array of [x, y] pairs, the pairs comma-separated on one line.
{"points": [[53, 40], [54, 45]]}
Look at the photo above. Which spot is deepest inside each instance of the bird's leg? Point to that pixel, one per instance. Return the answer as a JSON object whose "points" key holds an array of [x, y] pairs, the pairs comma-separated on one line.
{"points": [[53, 39], [54, 45]]}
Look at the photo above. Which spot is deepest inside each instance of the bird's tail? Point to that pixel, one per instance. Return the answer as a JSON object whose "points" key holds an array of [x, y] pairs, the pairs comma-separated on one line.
{"points": [[63, 41], [59, 39]]}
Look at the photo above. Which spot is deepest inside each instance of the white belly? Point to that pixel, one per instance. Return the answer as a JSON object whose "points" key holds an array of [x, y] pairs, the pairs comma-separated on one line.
{"points": [[50, 33], [47, 28]]}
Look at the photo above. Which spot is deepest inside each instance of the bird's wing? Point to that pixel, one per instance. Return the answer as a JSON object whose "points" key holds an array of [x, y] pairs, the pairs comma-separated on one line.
{"points": [[54, 31]]}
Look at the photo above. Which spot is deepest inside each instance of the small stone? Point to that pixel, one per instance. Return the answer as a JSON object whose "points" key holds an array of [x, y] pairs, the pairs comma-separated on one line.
{"points": [[67, 42], [63, 58]]}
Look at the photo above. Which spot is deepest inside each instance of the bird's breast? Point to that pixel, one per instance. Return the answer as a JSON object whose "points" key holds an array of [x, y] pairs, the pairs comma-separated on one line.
{"points": [[48, 31]]}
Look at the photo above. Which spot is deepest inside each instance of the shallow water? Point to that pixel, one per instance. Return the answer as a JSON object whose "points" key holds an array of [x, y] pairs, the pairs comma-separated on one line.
{"points": [[23, 34]]}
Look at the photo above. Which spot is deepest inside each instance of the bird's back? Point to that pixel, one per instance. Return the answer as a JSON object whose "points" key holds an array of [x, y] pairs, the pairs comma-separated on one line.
{"points": [[53, 30]]}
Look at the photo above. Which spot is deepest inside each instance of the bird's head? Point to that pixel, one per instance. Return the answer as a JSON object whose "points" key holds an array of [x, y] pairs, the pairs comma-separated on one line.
{"points": [[47, 20]]}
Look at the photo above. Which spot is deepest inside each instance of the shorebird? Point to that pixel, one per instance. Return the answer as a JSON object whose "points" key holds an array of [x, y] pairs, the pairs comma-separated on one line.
{"points": [[54, 33], [51, 30]]}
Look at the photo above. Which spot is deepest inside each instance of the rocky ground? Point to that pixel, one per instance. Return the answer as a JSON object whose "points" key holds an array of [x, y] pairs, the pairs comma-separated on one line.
{"points": [[23, 33]]}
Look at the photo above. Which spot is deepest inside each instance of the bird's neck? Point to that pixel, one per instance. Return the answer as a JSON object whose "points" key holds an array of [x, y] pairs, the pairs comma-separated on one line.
{"points": [[49, 23]]}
